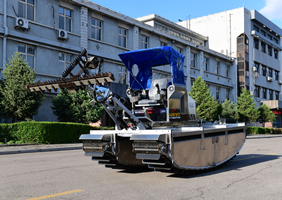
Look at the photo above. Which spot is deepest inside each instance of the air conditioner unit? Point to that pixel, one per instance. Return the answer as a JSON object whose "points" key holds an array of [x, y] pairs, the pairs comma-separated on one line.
{"points": [[62, 34], [254, 69], [256, 74], [280, 82], [21, 23], [269, 79]]}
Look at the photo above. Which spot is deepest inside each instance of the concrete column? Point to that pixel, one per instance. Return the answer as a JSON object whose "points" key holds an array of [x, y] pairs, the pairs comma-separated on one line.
{"points": [[188, 68], [84, 27], [136, 38], [201, 60]]}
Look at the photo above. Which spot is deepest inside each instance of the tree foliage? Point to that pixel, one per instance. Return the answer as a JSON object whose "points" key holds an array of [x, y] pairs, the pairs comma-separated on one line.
{"points": [[266, 115], [206, 105], [75, 107], [229, 111], [17, 102], [246, 107]]}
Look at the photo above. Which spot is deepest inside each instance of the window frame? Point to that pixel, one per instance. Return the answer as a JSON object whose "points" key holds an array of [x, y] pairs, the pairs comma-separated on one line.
{"points": [[264, 93], [193, 60], [122, 36], [66, 17], [96, 28], [227, 93], [257, 91], [270, 72], [269, 49], [26, 4], [276, 75], [263, 47], [123, 74], [144, 44], [263, 68], [26, 54], [66, 63], [276, 95], [217, 93], [218, 67], [270, 94], [206, 63], [256, 43]]}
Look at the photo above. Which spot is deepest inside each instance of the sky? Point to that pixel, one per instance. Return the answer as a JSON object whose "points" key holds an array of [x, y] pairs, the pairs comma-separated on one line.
{"points": [[182, 9]]}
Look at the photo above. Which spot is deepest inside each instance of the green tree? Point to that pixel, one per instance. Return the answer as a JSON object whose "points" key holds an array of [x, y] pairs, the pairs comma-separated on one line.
{"points": [[206, 105], [266, 115], [229, 111], [17, 102], [75, 107], [246, 107]]}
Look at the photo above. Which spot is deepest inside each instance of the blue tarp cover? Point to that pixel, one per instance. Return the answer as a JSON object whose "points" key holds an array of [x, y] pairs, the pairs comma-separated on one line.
{"points": [[147, 58]]}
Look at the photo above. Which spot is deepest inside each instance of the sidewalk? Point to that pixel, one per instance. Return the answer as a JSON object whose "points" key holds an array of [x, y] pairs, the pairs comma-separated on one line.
{"points": [[31, 148]]}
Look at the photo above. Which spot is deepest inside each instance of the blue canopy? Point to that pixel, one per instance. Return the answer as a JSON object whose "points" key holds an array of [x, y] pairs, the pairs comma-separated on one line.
{"points": [[145, 59]]}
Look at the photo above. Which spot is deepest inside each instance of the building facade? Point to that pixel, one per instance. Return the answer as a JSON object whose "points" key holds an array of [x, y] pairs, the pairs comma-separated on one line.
{"points": [[255, 44], [50, 34]]}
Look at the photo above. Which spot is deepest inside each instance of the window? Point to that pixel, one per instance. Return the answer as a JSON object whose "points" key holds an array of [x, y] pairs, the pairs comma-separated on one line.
{"points": [[122, 35], [144, 42], [122, 74], [276, 95], [270, 72], [180, 50], [217, 67], [227, 94], [247, 69], [276, 75], [263, 70], [263, 48], [257, 66], [217, 92], [269, 36], [276, 40], [256, 28], [65, 18], [161, 28], [96, 29], [263, 33], [269, 50], [227, 71], [257, 91], [270, 94], [276, 53], [163, 44], [256, 43], [206, 63], [26, 9], [64, 60], [264, 93], [192, 81], [193, 60], [28, 54]]}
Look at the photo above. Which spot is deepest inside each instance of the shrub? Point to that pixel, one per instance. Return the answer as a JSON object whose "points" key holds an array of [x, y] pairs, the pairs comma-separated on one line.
{"points": [[252, 130], [45, 132]]}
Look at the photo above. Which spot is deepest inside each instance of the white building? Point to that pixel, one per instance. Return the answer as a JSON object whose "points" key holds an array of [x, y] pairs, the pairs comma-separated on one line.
{"points": [[54, 32], [254, 42]]}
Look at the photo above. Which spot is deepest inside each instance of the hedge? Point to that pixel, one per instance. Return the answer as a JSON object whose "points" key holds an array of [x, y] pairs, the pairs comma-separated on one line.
{"points": [[45, 132], [253, 130]]}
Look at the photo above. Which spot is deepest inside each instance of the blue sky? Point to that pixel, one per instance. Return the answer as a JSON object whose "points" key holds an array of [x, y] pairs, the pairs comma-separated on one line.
{"points": [[181, 9]]}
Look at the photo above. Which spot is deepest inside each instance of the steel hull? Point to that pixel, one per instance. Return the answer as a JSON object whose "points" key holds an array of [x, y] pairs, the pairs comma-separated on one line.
{"points": [[189, 148]]}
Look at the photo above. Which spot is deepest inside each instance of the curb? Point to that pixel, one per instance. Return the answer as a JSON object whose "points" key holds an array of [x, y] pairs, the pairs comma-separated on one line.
{"points": [[39, 150]]}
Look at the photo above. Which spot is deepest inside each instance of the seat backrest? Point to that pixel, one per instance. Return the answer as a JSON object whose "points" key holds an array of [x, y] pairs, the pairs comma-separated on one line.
{"points": [[163, 84]]}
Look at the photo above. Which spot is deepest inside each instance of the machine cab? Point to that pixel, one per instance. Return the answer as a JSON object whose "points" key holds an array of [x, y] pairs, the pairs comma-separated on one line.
{"points": [[157, 102]]}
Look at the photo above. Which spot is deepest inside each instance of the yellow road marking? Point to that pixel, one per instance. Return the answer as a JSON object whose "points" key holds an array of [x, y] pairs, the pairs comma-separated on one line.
{"points": [[255, 157], [55, 195]]}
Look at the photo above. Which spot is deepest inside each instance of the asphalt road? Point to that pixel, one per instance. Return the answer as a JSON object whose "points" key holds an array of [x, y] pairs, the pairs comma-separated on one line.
{"points": [[256, 173]]}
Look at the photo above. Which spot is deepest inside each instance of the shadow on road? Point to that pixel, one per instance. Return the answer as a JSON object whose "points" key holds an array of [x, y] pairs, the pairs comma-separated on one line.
{"points": [[236, 164]]}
